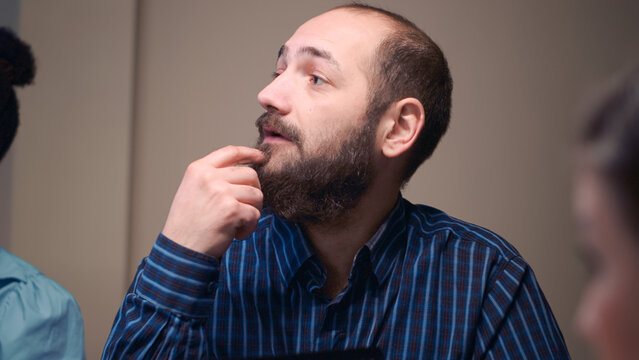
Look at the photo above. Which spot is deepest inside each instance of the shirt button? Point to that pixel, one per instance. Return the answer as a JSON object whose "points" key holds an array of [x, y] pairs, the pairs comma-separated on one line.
{"points": [[212, 287]]}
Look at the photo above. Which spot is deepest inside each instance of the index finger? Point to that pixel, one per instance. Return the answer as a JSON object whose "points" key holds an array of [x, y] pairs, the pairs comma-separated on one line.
{"points": [[235, 155]]}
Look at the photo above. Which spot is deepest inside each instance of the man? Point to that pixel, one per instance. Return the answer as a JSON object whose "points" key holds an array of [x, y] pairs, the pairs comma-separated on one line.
{"points": [[39, 319], [337, 259]]}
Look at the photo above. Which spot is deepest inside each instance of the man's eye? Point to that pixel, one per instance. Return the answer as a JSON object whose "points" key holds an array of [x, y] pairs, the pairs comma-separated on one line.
{"points": [[316, 80]]}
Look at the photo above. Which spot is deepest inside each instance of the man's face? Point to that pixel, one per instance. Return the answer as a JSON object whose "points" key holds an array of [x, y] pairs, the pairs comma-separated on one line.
{"points": [[320, 147], [320, 89]]}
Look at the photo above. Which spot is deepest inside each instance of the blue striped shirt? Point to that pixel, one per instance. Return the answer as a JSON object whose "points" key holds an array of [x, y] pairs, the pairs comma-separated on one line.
{"points": [[426, 286]]}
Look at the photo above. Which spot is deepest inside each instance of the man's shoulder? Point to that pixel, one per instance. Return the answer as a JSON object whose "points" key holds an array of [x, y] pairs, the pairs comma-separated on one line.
{"points": [[431, 224]]}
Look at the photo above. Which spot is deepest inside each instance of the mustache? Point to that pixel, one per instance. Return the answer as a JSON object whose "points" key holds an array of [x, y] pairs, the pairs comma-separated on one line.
{"points": [[275, 122]]}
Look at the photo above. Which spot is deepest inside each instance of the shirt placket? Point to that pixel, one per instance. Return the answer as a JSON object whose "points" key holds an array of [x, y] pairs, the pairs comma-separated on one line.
{"points": [[332, 327]]}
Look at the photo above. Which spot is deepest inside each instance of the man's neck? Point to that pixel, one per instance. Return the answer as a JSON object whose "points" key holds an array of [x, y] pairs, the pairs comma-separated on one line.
{"points": [[337, 244]]}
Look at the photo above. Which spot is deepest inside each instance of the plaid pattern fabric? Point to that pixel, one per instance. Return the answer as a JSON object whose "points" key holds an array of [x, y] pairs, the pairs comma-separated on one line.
{"points": [[426, 286]]}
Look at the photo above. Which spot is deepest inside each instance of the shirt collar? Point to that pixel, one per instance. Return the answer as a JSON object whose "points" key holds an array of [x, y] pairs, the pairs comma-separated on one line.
{"points": [[292, 249], [290, 245], [388, 240]]}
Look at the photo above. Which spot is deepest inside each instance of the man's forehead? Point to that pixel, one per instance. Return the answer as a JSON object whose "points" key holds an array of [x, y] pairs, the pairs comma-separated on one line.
{"points": [[340, 30]]}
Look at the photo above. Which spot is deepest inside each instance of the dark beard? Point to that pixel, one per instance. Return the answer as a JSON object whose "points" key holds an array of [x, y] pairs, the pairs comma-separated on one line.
{"points": [[321, 188]]}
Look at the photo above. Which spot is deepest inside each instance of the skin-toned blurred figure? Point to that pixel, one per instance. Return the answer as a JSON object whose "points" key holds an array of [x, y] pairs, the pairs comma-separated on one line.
{"points": [[39, 319], [337, 259], [607, 206]]}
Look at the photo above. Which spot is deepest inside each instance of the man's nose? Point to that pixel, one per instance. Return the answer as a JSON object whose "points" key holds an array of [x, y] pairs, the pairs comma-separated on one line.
{"points": [[275, 96]]}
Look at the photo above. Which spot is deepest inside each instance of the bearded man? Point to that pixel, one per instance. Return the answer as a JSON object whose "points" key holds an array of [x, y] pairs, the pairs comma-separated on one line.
{"points": [[305, 243]]}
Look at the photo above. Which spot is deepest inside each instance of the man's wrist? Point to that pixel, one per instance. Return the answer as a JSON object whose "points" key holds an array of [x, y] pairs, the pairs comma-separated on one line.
{"points": [[179, 279]]}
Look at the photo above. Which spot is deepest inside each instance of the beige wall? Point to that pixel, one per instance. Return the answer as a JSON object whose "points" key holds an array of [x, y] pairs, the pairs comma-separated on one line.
{"points": [[72, 154], [519, 69]]}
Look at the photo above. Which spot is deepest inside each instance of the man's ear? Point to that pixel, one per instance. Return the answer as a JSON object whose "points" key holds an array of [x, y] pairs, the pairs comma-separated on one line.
{"points": [[401, 125]]}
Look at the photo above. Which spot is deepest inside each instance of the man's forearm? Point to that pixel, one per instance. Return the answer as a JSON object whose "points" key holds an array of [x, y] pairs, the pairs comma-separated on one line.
{"points": [[168, 306]]}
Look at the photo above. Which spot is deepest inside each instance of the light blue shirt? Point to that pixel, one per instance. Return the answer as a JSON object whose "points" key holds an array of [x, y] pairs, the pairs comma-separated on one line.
{"points": [[39, 319]]}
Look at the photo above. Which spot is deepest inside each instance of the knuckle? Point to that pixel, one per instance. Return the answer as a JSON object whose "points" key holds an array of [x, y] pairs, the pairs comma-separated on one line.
{"points": [[239, 172], [251, 172], [230, 205], [245, 171], [221, 188], [216, 184], [259, 196], [193, 168], [253, 217], [232, 150], [233, 205], [196, 173]]}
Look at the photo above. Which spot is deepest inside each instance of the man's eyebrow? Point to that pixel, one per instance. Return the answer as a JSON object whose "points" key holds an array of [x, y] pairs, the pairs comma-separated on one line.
{"points": [[313, 51], [282, 53], [309, 50]]}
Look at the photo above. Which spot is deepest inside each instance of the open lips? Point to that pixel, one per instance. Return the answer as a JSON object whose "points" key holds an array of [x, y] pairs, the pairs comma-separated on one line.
{"points": [[272, 135]]}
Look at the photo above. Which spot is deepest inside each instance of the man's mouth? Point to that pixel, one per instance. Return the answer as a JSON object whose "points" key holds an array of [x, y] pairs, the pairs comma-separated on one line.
{"points": [[274, 130], [272, 135]]}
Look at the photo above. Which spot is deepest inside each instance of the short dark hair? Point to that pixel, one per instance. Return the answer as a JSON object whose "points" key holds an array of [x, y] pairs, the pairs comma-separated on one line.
{"points": [[410, 64], [17, 68], [610, 141]]}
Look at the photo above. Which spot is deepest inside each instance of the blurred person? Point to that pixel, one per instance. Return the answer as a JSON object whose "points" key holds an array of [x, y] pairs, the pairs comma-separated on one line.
{"points": [[607, 207], [39, 319], [336, 259]]}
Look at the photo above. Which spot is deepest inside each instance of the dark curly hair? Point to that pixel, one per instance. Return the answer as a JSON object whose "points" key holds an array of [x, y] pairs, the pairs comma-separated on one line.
{"points": [[17, 68]]}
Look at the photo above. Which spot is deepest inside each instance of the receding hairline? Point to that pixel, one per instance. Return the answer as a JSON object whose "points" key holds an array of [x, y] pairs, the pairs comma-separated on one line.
{"points": [[398, 25], [396, 21], [395, 25]]}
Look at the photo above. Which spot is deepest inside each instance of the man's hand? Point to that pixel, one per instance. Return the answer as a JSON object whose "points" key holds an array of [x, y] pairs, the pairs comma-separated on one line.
{"points": [[217, 201]]}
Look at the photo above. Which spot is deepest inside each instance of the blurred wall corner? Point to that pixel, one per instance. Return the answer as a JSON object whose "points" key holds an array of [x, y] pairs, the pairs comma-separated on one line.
{"points": [[71, 164], [9, 17]]}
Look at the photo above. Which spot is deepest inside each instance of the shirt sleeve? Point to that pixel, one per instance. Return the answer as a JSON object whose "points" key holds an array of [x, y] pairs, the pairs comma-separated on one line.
{"points": [[166, 311], [39, 319], [516, 321]]}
